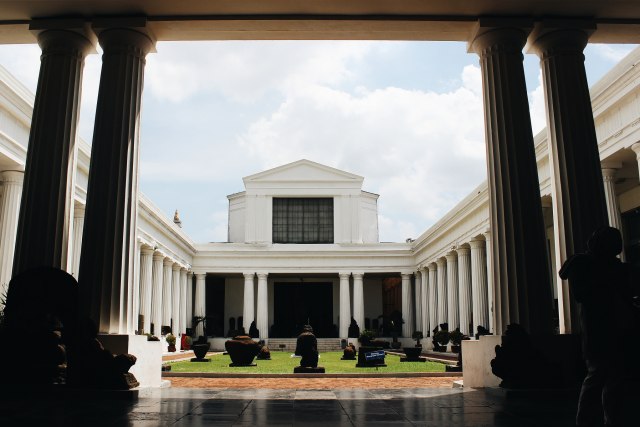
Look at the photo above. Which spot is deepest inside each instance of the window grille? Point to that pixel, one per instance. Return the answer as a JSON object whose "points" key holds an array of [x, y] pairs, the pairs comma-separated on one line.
{"points": [[302, 220]]}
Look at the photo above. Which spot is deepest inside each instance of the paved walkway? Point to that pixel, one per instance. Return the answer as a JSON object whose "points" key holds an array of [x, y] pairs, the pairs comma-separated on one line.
{"points": [[180, 407], [313, 383]]}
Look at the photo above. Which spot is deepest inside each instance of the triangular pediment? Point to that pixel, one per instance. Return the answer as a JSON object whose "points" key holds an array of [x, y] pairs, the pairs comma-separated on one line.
{"points": [[303, 171]]}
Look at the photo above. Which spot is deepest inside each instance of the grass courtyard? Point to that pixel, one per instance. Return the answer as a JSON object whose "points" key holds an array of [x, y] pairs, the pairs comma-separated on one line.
{"points": [[283, 363]]}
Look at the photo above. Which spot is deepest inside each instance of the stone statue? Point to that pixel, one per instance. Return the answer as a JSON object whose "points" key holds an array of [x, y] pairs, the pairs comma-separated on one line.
{"points": [[354, 329], [307, 348]]}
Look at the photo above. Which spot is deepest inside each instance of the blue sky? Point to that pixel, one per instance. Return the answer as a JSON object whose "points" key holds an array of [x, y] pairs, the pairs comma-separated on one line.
{"points": [[405, 115]]}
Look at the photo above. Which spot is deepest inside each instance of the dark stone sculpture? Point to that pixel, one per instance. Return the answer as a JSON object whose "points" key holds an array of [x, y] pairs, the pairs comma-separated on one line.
{"points": [[232, 327], [349, 352], [354, 329], [481, 330], [264, 353], [242, 350], [253, 330], [200, 350], [307, 348], [42, 303]]}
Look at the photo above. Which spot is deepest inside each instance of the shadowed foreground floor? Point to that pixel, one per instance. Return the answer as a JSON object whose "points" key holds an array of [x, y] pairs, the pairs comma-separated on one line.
{"points": [[290, 407]]}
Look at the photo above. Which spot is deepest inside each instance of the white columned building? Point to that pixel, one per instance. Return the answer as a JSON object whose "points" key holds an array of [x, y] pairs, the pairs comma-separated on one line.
{"points": [[407, 309], [442, 292], [262, 311], [358, 300], [453, 309], [248, 312], [157, 278], [479, 283], [9, 210], [417, 300], [200, 306], [464, 289], [433, 296], [175, 298], [167, 292], [345, 302], [146, 273], [424, 301]]}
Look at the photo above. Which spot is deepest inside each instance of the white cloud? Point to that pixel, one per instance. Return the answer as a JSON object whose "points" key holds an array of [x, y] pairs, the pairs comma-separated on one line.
{"points": [[244, 71], [422, 151], [612, 53], [537, 107]]}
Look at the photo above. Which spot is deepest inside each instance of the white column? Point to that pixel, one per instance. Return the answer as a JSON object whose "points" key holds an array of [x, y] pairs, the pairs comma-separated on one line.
{"points": [[453, 306], [262, 310], [200, 301], [491, 288], [9, 212], [175, 298], [464, 288], [345, 302], [358, 299], [189, 323], [424, 298], [417, 286], [167, 284], [76, 246], [407, 310], [442, 316], [146, 266], [248, 310], [156, 292], [609, 172], [433, 296], [183, 300], [479, 283]]}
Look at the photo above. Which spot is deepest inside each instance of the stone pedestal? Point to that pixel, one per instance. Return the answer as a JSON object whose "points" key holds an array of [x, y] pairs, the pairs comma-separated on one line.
{"points": [[147, 369], [476, 360], [308, 370]]}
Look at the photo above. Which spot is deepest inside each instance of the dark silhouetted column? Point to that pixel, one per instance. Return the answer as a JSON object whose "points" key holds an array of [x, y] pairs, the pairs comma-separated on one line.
{"points": [[517, 227], [576, 176], [108, 244], [46, 209]]}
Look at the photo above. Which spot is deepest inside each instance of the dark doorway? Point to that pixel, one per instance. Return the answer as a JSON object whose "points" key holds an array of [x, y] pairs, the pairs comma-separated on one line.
{"points": [[298, 304], [214, 292]]}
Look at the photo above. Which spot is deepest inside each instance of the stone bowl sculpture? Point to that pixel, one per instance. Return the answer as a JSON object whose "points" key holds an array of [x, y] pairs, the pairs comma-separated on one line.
{"points": [[264, 353], [349, 353], [242, 350], [200, 350]]}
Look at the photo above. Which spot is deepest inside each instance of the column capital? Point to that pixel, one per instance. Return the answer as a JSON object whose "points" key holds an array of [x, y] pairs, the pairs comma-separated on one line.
{"points": [[440, 262], [117, 33], [12, 176], [189, 274], [359, 275], [406, 275], [183, 270], [344, 276], [158, 256], [418, 272], [64, 35], [175, 266], [636, 149], [451, 256], [477, 243], [146, 250], [551, 37], [491, 34], [200, 276], [248, 275], [463, 250], [433, 265], [262, 275]]}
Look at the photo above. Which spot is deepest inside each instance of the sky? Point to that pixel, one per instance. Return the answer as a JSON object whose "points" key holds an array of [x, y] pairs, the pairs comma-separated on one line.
{"points": [[407, 116]]}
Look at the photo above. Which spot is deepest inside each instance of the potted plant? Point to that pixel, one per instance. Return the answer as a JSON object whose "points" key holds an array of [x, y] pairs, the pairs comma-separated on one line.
{"points": [[456, 338], [366, 336], [440, 340], [171, 342], [417, 335]]}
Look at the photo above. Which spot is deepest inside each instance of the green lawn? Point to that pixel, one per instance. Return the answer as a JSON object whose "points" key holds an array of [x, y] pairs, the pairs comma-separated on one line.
{"points": [[283, 363]]}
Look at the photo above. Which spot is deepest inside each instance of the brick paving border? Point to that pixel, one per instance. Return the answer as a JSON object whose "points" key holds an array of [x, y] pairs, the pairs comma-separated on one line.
{"points": [[315, 383]]}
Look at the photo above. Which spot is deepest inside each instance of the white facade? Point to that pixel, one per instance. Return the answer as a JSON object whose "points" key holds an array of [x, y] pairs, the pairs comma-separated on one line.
{"points": [[447, 263]]}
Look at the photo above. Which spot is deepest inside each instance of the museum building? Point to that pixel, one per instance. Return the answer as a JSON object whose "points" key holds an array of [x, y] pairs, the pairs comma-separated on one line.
{"points": [[303, 241]]}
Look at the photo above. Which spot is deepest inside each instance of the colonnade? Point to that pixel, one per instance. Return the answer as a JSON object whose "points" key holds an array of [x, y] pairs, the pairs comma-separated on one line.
{"points": [[166, 293], [454, 289]]}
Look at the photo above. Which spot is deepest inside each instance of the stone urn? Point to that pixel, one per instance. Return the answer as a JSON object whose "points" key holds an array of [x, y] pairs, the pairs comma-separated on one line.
{"points": [[200, 350], [242, 350]]}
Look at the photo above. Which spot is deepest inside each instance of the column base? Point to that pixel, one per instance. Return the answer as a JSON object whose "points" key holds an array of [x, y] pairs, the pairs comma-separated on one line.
{"points": [[147, 369]]}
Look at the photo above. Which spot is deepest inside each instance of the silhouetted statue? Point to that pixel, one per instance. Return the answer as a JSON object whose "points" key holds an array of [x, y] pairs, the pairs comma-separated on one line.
{"points": [[253, 330], [232, 327], [481, 330], [605, 288], [42, 304], [307, 347], [354, 329]]}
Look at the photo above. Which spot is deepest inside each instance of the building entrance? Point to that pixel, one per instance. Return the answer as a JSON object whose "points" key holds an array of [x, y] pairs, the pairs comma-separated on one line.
{"points": [[298, 304]]}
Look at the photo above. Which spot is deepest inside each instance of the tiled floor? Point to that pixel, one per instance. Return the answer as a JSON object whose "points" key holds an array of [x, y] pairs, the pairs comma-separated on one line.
{"points": [[327, 408]]}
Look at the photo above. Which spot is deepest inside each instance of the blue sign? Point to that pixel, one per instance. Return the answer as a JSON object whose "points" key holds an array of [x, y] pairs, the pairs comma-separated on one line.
{"points": [[374, 355]]}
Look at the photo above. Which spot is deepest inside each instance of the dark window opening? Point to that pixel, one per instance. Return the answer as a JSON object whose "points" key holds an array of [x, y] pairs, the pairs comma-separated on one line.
{"points": [[303, 220]]}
